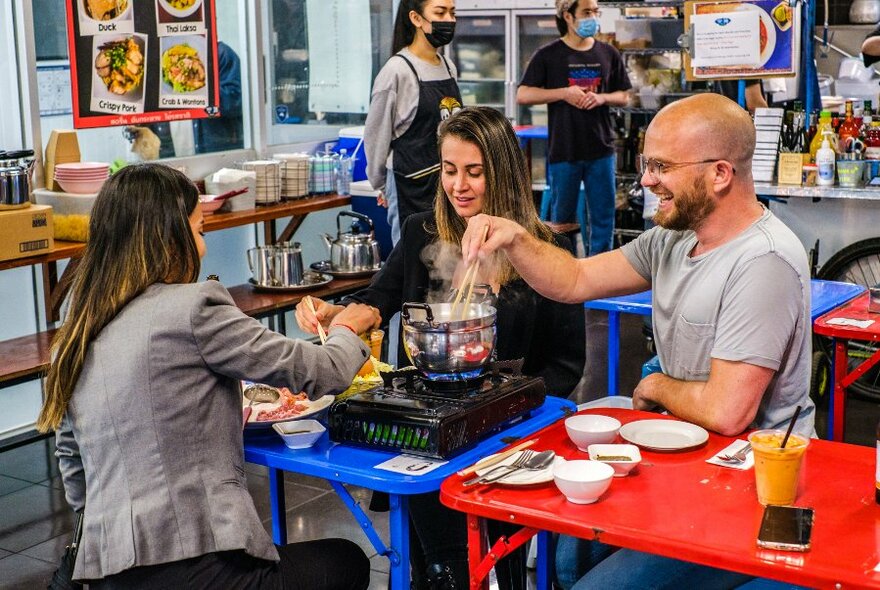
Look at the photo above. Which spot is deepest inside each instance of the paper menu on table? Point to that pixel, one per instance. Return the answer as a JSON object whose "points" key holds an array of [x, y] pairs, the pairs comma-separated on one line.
{"points": [[411, 465]]}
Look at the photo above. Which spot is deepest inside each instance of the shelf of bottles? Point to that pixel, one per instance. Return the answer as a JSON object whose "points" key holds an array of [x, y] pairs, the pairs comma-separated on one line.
{"points": [[853, 136]]}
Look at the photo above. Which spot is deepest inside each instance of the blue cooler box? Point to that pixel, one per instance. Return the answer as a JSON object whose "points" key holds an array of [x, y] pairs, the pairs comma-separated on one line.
{"points": [[363, 200], [351, 139]]}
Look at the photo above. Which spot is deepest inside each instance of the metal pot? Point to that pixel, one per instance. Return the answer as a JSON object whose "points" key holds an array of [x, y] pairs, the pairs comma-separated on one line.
{"points": [[288, 266], [444, 347], [15, 179], [353, 251]]}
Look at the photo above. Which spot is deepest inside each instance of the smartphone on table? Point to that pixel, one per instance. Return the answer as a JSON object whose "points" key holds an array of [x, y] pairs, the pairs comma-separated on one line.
{"points": [[787, 528]]}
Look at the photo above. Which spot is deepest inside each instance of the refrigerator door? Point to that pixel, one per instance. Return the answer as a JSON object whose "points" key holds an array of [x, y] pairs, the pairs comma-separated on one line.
{"points": [[480, 54], [532, 29]]}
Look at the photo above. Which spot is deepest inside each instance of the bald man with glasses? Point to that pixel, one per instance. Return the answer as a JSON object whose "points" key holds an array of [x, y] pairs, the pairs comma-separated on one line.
{"points": [[730, 281]]}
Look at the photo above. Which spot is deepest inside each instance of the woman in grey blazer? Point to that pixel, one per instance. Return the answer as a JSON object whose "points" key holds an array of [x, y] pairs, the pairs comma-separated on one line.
{"points": [[144, 393]]}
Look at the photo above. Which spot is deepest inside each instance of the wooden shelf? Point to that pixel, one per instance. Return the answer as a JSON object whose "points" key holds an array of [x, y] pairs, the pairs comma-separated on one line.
{"points": [[64, 250]]}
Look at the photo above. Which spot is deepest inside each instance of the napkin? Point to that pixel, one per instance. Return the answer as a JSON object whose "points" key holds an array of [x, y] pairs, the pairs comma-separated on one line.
{"points": [[850, 322], [731, 449]]}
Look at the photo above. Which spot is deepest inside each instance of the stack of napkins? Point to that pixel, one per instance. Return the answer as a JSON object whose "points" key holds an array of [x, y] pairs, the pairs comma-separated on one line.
{"points": [[768, 128]]}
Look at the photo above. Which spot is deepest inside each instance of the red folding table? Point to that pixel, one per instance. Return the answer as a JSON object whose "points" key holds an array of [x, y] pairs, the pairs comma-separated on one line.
{"points": [[677, 505], [857, 309]]}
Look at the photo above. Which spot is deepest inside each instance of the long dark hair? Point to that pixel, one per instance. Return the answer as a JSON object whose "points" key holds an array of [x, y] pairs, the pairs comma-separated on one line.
{"points": [[404, 30], [507, 179], [139, 234]]}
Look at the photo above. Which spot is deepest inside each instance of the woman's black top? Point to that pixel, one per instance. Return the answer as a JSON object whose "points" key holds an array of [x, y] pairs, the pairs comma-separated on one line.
{"points": [[548, 335]]}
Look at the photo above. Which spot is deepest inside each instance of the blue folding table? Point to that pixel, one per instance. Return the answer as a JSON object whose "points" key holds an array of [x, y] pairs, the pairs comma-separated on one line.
{"points": [[343, 464], [825, 296]]}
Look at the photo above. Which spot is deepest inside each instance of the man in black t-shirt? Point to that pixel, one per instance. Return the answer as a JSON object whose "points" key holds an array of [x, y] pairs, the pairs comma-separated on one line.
{"points": [[579, 78], [754, 93]]}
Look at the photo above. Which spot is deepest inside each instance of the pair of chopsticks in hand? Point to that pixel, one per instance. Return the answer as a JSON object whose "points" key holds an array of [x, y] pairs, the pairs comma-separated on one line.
{"points": [[321, 333], [467, 284]]}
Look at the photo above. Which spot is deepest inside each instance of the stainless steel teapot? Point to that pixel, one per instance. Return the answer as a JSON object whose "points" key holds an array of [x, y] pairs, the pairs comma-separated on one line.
{"points": [[353, 251], [16, 169]]}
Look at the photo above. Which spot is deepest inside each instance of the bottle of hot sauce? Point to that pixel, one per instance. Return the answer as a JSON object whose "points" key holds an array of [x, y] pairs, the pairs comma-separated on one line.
{"points": [[849, 130]]}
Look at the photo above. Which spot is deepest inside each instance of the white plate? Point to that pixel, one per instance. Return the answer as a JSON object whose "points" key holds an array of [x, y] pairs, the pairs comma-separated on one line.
{"points": [[664, 435], [312, 407], [522, 477]]}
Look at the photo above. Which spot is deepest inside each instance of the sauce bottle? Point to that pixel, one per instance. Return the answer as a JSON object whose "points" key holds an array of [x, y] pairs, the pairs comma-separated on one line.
{"points": [[826, 159], [824, 125]]}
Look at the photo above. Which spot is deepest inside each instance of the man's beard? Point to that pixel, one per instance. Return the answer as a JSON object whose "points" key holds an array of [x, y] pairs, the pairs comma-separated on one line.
{"points": [[689, 209]]}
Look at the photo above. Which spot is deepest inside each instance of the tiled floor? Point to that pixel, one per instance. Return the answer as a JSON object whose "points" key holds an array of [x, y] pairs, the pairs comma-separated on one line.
{"points": [[35, 522]]}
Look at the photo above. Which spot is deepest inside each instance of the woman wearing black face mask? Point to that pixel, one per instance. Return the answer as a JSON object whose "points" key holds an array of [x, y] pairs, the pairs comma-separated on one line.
{"points": [[414, 91]]}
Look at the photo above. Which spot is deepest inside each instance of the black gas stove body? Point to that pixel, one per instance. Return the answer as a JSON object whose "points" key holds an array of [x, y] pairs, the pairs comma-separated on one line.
{"points": [[439, 419]]}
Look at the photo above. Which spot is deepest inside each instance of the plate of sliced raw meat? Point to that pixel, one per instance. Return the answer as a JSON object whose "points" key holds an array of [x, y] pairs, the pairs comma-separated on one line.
{"points": [[290, 406]]}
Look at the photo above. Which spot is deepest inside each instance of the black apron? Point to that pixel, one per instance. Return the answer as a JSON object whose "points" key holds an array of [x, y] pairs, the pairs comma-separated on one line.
{"points": [[416, 163]]}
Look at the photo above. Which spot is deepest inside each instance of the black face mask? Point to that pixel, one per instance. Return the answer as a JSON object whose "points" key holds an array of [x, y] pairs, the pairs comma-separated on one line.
{"points": [[442, 32]]}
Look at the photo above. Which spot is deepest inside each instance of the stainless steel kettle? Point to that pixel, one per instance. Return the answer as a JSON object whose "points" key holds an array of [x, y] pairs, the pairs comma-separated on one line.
{"points": [[16, 169], [353, 251]]}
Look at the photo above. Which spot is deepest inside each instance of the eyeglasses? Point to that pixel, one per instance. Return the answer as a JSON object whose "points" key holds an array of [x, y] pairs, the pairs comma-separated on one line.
{"points": [[656, 169], [591, 13]]}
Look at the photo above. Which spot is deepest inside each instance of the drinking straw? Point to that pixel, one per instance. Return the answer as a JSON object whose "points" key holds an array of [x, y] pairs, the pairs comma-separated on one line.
{"points": [[797, 412]]}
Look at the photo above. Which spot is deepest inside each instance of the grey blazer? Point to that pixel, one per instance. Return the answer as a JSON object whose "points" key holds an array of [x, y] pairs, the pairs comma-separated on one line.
{"points": [[151, 443]]}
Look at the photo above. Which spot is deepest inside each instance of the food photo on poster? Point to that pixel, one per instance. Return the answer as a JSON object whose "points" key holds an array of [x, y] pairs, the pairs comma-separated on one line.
{"points": [[105, 16], [184, 73], [142, 62], [118, 73], [180, 17]]}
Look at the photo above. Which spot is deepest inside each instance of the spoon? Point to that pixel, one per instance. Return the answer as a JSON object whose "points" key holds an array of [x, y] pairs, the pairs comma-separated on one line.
{"points": [[536, 462], [261, 394]]}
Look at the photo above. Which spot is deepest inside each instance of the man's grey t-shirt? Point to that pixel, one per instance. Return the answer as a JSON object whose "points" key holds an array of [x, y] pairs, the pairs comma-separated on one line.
{"points": [[747, 300]]}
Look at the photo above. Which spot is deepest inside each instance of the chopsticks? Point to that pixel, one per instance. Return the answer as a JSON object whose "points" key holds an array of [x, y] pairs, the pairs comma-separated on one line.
{"points": [[321, 334], [495, 459], [467, 283]]}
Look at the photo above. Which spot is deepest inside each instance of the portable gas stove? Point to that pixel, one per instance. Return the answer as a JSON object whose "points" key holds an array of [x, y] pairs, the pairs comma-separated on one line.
{"points": [[435, 418]]}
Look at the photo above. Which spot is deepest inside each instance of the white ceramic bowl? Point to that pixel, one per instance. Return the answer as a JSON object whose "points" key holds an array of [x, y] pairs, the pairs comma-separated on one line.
{"points": [[582, 482], [299, 434], [591, 429], [622, 466]]}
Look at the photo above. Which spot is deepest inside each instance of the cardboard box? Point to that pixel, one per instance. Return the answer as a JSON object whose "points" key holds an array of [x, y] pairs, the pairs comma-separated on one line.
{"points": [[26, 232]]}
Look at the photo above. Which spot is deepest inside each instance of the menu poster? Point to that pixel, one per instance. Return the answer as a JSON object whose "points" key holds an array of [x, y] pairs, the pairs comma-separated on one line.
{"points": [[142, 61], [778, 39]]}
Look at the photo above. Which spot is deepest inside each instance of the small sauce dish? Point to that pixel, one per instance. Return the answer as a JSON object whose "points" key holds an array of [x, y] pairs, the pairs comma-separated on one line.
{"points": [[299, 434], [623, 458]]}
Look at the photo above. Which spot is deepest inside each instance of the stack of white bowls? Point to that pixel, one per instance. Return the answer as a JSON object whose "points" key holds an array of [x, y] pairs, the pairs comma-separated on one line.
{"points": [[294, 175], [82, 177], [268, 173]]}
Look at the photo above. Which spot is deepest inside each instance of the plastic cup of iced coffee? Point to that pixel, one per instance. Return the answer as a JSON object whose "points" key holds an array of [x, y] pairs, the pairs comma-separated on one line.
{"points": [[777, 469]]}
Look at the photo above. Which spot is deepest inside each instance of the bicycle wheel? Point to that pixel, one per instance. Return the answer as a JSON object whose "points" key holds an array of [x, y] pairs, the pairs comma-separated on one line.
{"points": [[858, 263]]}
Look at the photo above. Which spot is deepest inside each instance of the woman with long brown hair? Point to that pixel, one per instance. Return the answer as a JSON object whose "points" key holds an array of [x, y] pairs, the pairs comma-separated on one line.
{"points": [[144, 392], [483, 169]]}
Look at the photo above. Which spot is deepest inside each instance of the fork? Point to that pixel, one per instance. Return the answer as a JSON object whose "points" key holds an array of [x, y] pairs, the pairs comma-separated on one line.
{"points": [[517, 464], [737, 457]]}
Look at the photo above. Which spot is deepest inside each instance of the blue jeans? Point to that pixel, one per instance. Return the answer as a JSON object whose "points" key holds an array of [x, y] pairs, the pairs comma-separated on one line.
{"points": [[597, 176], [608, 567]]}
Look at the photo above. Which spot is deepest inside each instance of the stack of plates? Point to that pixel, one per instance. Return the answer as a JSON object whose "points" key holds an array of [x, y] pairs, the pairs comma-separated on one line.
{"points": [[268, 172], [82, 177], [294, 175]]}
